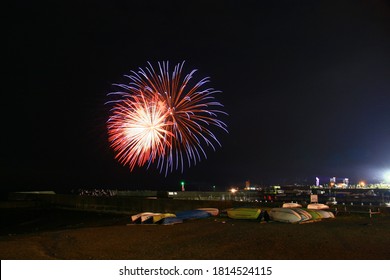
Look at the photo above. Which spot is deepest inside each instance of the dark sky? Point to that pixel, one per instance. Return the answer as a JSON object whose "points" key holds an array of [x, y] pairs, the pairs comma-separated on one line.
{"points": [[306, 85]]}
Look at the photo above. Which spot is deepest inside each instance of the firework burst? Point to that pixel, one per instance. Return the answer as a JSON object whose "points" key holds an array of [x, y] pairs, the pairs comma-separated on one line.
{"points": [[158, 116]]}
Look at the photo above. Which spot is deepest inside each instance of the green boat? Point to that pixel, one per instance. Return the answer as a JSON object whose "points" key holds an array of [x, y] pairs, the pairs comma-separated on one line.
{"points": [[314, 214], [244, 213]]}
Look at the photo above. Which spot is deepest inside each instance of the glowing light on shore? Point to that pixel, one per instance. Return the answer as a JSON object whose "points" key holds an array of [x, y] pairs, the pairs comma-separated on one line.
{"points": [[233, 190], [386, 177]]}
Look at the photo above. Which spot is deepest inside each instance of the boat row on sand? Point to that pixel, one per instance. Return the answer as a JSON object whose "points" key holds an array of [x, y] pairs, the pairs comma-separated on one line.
{"points": [[150, 218], [283, 214], [171, 218], [294, 213]]}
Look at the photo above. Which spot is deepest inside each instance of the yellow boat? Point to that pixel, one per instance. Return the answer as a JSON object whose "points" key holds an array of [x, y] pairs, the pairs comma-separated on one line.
{"points": [[244, 213], [158, 217]]}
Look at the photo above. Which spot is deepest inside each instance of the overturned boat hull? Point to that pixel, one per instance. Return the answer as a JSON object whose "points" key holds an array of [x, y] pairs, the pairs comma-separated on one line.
{"points": [[244, 213], [317, 206], [137, 218], [285, 215], [212, 211], [192, 214]]}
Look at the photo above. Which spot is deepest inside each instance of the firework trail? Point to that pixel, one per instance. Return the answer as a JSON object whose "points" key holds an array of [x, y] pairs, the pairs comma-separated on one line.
{"points": [[159, 116]]}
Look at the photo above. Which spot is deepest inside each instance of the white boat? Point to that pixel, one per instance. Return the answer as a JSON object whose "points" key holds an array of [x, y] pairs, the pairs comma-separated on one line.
{"points": [[331, 215], [148, 218], [138, 217], [212, 211], [317, 206], [291, 205], [325, 214], [284, 215]]}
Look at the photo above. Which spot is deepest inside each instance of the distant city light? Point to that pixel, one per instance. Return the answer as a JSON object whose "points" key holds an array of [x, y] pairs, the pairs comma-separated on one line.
{"points": [[233, 190]]}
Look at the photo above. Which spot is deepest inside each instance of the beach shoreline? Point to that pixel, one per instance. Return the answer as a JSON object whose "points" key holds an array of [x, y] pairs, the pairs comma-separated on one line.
{"points": [[77, 235]]}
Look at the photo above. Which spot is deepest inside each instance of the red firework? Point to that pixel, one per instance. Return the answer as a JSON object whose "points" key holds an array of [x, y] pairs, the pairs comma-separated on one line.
{"points": [[158, 116]]}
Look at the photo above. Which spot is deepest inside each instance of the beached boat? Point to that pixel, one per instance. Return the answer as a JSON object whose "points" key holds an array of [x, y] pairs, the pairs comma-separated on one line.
{"points": [[212, 211], [325, 214], [285, 215], [137, 218], [331, 215], [305, 216], [244, 213], [192, 214], [314, 214], [317, 206], [158, 217], [291, 205], [155, 217], [170, 221], [148, 218]]}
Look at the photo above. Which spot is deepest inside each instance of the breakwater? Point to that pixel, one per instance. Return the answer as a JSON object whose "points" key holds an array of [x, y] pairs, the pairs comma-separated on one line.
{"points": [[136, 204], [118, 204]]}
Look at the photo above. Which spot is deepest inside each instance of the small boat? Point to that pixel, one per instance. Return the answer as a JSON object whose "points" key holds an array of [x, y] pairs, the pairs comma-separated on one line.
{"points": [[158, 217], [325, 214], [170, 221], [244, 213], [192, 214], [331, 215], [137, 218], [291, 205], [285, 215], [148, 218], [304, 214], [317, 206], [212, 211], [314, 214]]}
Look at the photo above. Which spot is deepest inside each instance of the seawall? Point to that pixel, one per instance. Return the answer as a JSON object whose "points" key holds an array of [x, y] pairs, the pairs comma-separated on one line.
{"points": [[119, 204]]}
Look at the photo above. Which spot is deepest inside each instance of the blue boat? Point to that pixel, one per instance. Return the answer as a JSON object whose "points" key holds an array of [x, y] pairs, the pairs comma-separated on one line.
{"points": [[170, 221], [192, 214]]}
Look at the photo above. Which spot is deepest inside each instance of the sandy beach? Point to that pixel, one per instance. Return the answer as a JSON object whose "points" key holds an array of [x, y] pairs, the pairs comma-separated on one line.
{"points": [[83, 235]]}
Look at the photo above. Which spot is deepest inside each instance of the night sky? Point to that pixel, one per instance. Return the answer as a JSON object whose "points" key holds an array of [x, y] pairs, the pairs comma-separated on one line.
{"points": [[306, 85]]}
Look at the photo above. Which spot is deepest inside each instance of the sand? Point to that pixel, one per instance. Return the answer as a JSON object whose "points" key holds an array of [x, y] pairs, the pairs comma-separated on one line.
{"points": [[77, 235]]}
